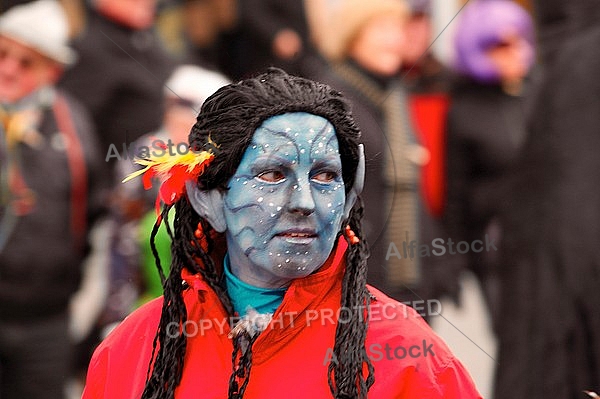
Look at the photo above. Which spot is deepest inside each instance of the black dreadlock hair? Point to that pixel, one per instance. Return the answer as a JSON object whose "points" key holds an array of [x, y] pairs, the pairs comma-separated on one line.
{"points": [[228, 119]]}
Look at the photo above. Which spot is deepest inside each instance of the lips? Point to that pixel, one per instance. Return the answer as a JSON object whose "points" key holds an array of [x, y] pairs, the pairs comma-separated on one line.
{"points": [[298, 236]]}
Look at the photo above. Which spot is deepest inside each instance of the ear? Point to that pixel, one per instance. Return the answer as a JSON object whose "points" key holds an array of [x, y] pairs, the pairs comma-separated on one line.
{"points": [[208, 204], [359, 181]]}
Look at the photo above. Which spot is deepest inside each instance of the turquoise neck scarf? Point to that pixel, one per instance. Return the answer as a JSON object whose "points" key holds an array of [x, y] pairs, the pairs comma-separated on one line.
{"points": [[243, 295]]}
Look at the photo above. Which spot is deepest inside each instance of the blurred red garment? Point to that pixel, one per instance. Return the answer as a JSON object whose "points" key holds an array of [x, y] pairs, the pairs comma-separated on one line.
{"points": [[428, 114]]}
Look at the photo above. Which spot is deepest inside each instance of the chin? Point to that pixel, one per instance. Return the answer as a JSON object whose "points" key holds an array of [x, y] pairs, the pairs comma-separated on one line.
{"points": [[298, 267], [389, 69], [293, 271], [390, 63]]}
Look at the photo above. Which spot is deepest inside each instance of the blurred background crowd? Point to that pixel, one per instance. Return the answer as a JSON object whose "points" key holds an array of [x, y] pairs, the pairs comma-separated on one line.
{"points": [[480, 118]]}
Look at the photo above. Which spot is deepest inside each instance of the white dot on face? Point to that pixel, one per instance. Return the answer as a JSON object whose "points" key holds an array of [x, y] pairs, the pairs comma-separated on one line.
{"points": [[260, 199], [302, 151]]}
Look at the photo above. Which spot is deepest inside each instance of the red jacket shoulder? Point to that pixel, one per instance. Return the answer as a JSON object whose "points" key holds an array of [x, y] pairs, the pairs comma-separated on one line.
{"points": [[409, 356], [119, 364]]}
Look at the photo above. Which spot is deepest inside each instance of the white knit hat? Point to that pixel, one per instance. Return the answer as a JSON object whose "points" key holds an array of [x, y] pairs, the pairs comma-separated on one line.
{"points": [[193, 83], [349, 17], [41, 25]]}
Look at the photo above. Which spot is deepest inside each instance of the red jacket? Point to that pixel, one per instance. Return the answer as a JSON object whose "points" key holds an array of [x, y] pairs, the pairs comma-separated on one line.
{"points": [[290, 358]]}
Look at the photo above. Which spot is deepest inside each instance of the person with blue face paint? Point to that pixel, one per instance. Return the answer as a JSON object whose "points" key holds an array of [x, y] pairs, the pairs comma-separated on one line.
{"points": [[267, 294]]}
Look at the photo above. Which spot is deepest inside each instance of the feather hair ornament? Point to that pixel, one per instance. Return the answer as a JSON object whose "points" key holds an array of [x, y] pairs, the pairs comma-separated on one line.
{"points": [[173, 171]]}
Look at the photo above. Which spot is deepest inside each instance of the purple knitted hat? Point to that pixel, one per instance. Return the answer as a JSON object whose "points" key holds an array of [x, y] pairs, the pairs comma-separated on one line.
{"points": [[481, 26]]}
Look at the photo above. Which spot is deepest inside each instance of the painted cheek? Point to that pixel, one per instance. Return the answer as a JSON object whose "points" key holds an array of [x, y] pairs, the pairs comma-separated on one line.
{"points": [[252, 210], [330, 202]]}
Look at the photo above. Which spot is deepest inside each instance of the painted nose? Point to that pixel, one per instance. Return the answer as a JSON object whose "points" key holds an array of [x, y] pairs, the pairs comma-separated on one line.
{"points": [[301, 199]]}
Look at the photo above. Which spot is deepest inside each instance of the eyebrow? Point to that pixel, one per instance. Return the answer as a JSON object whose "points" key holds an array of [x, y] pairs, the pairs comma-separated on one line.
{"points": [[267, 160], [330, 161]]}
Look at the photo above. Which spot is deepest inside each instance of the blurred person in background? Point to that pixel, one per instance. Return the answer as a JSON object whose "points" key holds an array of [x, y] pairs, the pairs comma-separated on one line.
{"points": [[121, 70], [422, 72], [550, 310], [208, 27], [50, 201], [272, 33], [365, 49], [428, 83], [494, 47], [133, 277]]}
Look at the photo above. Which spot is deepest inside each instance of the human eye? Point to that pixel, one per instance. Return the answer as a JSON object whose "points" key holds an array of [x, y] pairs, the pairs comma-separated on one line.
{"points": [[326, 176], [271, 176]]}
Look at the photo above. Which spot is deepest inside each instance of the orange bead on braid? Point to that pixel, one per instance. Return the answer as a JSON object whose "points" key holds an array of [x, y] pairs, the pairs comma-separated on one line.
{"points": [[350, 235], [201, 237]]}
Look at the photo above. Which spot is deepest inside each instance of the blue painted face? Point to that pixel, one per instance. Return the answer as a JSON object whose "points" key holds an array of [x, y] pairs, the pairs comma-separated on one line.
{"points": [[285, 203]]}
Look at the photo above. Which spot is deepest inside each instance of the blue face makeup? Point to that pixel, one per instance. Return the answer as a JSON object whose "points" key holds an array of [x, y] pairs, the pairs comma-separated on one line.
{"points": [[284, 206]]}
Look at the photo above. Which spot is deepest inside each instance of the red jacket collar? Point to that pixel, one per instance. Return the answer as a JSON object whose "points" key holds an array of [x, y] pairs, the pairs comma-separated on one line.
{"points": [[320, 290]]}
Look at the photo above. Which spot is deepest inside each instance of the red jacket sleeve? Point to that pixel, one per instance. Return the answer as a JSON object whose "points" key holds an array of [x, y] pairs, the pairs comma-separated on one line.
{"points": [[455, 383]]}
